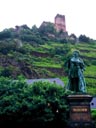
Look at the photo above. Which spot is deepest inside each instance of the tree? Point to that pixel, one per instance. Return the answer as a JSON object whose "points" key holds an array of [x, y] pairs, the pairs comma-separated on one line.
{"points": [[83, 38], [47, 27], [5, 34], [35, 29]]}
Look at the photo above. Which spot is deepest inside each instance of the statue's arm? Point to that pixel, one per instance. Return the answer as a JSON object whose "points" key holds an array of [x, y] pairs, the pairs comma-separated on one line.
{"points": [[67, 63], [82, 65]]}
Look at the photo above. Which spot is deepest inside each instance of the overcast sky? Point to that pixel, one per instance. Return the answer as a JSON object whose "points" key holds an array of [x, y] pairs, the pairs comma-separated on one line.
{"points": [[80, 14]]}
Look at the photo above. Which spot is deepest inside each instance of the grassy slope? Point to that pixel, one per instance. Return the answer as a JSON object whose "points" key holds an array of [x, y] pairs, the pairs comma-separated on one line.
{"points": [[55, 59], [48, 60], [87, 52]]}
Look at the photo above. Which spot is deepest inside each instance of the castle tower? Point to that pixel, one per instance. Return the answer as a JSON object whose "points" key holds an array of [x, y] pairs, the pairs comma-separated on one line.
{"points": [[60, 24]]}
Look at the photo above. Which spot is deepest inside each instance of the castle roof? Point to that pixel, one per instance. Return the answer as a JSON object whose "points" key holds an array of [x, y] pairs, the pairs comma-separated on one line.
{"points": [[93, 103], [51, 80]]}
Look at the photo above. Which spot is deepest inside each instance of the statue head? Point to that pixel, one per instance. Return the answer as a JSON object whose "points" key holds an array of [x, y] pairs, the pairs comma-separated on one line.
{"points": [[75, 54]]}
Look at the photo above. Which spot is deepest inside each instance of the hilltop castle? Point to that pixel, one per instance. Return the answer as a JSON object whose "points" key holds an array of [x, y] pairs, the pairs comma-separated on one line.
{"points": [[59, 23]]}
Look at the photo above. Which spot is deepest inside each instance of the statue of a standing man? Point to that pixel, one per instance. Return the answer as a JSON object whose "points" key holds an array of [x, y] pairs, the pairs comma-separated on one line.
{"points": [[76, 80]]}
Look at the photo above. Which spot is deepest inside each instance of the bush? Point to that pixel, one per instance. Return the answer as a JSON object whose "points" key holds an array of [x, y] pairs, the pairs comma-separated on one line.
{"points": [[6, 47], [40, 103], [6, 72], [5, 34], [94, 116]]}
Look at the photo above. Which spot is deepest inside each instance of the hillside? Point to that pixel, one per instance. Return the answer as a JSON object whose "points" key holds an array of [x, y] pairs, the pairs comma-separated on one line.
{"points": [[35, 54]]}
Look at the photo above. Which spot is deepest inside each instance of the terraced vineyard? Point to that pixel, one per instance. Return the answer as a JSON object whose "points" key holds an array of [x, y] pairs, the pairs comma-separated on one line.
{"points": [[52, 56], [47, 60]]}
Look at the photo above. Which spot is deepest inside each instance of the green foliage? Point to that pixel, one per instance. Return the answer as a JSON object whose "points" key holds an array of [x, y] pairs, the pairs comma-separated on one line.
{"points": [[6, 72], [35, 30], [83, 38], [46, 62], [64, 41], [47, 28], [41, 102], [7, 46], [31, 38], [93, 113], [90, 70], [5, 34]]}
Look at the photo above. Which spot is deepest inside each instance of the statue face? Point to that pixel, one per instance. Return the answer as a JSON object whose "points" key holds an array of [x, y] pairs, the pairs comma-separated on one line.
{"points": [[75, 54]]}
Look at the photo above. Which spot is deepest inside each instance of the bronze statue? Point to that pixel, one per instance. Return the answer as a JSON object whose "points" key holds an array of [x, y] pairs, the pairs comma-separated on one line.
{"points": [[76, 80]]}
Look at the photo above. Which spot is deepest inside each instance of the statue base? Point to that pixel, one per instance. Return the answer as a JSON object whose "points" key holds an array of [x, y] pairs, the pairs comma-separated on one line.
{"points": [[79, 114]]}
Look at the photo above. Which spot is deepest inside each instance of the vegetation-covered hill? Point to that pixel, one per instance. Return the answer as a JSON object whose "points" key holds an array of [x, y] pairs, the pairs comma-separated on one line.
{"points": [[42, 53]]}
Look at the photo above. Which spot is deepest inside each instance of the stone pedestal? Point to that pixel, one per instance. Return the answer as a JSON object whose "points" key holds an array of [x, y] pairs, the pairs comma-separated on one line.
{"points": [[79, 115]]}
